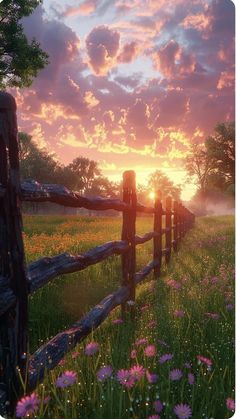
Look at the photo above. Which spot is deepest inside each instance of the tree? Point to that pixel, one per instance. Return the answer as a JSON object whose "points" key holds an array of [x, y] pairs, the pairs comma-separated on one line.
{"points": [[221, 148], [158, 181], [20, 60], [200, 164], [85, 172]]}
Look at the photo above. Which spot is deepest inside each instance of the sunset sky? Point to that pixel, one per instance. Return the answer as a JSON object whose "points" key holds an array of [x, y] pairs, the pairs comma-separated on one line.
{"points": [[130, 83]]}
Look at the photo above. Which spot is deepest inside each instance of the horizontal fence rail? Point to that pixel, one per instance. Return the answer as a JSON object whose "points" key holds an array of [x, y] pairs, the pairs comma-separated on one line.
{"points": [[17, 281]]}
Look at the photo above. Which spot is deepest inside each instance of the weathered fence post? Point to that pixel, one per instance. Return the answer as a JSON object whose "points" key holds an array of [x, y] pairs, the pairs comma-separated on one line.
{"points": [[157, 241], [168, 226], [176, 226], [128, 233], [13, 323]]}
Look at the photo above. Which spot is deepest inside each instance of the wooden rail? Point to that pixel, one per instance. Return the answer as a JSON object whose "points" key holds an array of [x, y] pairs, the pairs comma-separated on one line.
{"points": [[17, 281]]}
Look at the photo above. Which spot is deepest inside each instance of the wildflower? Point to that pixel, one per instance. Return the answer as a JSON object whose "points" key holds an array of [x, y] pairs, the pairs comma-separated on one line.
{"points": [[62, 362], [131, 303], [230, 404], [165, 357], [68, 378], [143, 308], [137, 372], [125, 379], [140, 342], [175, 375], [133, 354], [205, 360], [174, 284], [152, 378], [214, 316], [154, 417], [104, 373], [117, 321], [150, 351], [191, 378], [46, 400], [183, 411], [27, 405], [158, 406], [91, 348], [152, 324], [179, 313], [162, 342], [229, 307], [187, 365], [75, 354]]}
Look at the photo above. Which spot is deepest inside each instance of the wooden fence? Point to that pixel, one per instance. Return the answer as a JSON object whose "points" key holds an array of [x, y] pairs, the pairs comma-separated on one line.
{"points": [[17, 281]]}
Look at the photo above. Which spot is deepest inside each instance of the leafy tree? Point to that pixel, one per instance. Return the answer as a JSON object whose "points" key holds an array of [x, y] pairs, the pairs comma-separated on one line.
{"points": [[221, 148], [158, 181], [85, 172], [200, 164], [20, 60]]}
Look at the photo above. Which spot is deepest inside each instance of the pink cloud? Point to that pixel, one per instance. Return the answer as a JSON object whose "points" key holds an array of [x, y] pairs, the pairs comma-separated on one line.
{"points": [[102, 47], [129, 52]]}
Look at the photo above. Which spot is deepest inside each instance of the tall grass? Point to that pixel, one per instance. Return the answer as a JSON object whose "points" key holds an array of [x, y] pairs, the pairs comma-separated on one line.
{"points": [[186, 313]]}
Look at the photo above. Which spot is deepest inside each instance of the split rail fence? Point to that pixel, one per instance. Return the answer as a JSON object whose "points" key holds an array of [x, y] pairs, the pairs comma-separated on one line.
{"points": [[17, 281]]}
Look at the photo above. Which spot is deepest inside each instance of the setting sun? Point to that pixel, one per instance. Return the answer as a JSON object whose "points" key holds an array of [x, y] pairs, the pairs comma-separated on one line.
{"points": [[152, 195]]}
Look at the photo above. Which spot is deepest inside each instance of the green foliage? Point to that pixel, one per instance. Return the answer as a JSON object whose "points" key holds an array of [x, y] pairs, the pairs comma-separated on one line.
{"points": [[20, 60]]}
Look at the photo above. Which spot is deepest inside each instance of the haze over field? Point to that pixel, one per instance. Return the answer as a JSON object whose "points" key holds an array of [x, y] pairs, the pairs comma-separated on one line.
{"points": [[130, 84]]}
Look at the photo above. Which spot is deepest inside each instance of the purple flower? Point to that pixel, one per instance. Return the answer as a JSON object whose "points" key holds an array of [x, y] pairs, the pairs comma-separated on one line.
{"points": [[152, 378], [165, 357], [183, 411], [179, 313], [117, 321], [133, 354], [27, 405], [187, 365], [230, 404], [91, 348], [104, 373], [68, 378], [175, 375], [150, 351], [214, 316], [158, 406], [191, 378], [125, 379], [137, 372], [229, 307]]}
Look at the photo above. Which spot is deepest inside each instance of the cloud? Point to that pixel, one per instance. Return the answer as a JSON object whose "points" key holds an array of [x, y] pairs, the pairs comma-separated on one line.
{"points": [[102, 47], [128, 53]]}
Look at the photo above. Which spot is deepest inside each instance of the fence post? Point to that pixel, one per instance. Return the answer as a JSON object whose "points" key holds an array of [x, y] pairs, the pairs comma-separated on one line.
{"points": [[181, 232], [157, 241], [128, 233], [13, 323], [168, 226], [176, 226]]}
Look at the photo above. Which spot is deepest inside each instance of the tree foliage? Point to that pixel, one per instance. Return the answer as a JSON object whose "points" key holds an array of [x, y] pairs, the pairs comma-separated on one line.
{"points": [[159, 181], [20, 60]]}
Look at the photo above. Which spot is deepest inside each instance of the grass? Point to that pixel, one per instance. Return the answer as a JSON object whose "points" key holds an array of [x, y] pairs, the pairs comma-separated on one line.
{"points": [[204, 268]]}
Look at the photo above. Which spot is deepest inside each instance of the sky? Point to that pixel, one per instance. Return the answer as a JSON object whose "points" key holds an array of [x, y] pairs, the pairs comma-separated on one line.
{"points": [[130, 84]]}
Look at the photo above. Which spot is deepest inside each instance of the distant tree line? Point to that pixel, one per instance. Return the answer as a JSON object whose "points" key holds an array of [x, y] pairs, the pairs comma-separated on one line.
{"points": [[213, 165]]}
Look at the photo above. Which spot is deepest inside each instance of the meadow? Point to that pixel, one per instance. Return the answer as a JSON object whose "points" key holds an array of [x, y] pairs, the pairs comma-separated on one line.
{"points": [[174, 359]]}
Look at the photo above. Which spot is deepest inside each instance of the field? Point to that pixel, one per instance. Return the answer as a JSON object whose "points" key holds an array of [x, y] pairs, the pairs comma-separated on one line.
{"points": [[182, 337]]}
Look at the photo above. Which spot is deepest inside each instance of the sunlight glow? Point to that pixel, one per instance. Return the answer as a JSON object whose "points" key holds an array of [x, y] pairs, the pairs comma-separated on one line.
{"points": [[152, 195]]}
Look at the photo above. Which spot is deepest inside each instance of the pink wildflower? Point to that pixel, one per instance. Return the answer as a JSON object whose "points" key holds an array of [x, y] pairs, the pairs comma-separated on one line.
{"points": [[62, 362], [117, 321], [104, 373], [133, 354], [151, 377], [174, 284], [165, 357], [27, 405], [146, 307], [142, 341], [154, 417], [125, 379], [214, 316], [137, 372], [175, 375], [150, 351], [68, 378], [158, 406], [230, 404], [191, 378], [74, 354], [179, 313], [91, 348], [183, 411], [205, 360]]}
